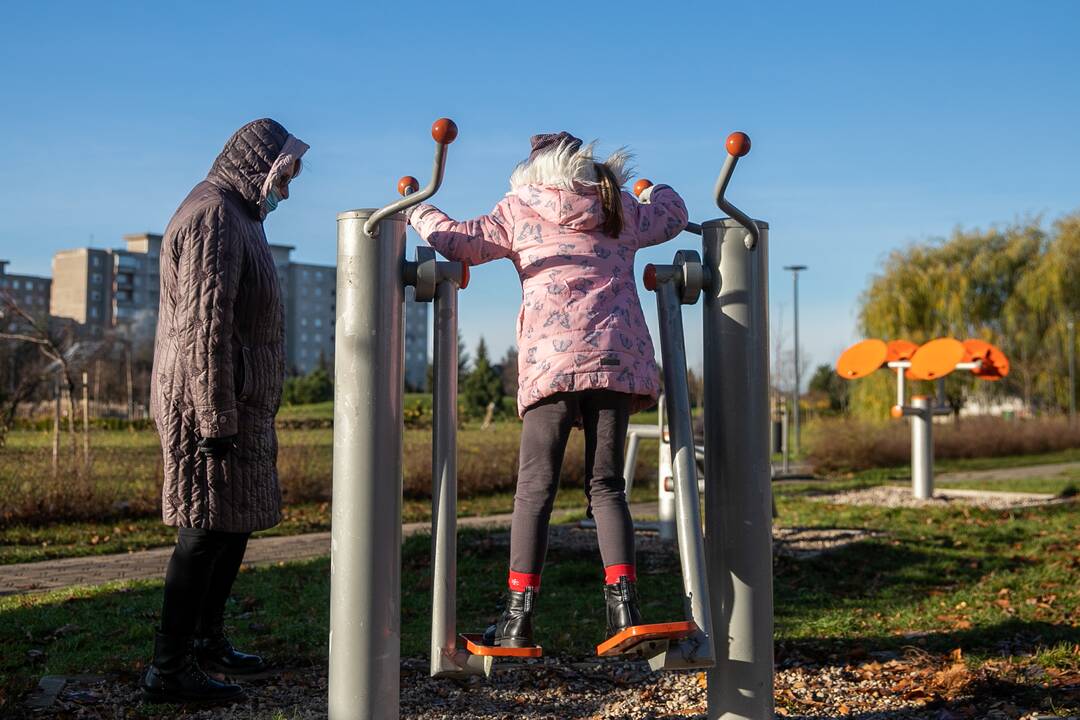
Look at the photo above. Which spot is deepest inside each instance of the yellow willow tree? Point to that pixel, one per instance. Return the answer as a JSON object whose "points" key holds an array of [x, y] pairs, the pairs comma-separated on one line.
{"points": [[960, 287]]}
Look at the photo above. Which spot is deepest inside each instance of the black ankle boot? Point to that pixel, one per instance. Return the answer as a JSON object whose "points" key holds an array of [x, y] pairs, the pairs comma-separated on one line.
{"points": [[622, 606], [175, 676], [216, 653], [514, 628]]}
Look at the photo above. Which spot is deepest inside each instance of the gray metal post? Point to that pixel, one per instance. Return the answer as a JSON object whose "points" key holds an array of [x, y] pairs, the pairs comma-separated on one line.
{"points": [[665, 495], [922, 446], [365, 559], [795, 270], [697, 650], [738, 491], [630, 464], [444, 477], [784, 436]]}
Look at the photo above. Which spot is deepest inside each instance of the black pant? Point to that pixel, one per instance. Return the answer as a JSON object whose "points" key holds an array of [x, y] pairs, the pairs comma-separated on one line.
{"points": [[604, 416], [201, 572]]}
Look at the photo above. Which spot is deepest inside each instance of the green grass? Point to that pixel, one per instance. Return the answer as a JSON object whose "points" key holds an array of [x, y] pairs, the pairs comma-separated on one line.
{"points": [[989, 583]]}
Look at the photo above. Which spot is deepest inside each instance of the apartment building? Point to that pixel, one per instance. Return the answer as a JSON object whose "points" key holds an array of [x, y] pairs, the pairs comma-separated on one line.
{"points": [[102, 289], [30, 293], [108, 288]]}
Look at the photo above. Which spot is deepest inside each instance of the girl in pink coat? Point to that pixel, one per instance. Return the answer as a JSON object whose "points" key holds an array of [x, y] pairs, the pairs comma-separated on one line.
{"points": [[584, 352]]}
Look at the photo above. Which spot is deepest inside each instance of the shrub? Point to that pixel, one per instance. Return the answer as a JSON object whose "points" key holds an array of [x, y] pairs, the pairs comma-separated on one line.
{"points": [[315, 387], [848, 445]]}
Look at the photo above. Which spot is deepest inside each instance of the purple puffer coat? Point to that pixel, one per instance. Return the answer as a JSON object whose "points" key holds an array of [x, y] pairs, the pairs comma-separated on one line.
{"points": [[580, 326]]}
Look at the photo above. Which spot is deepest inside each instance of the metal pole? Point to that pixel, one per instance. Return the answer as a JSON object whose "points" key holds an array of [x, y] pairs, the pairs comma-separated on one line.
{"points": [[630, 463], [922, 447], [795, 269], [784, 435], [698, 650], [444, 478], [365, 559], [1072, 371], [738, 490], [665, 478]]}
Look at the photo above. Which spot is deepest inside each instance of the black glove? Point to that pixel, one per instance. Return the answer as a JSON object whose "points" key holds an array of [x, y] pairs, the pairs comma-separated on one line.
{"points": [[217, 447]]}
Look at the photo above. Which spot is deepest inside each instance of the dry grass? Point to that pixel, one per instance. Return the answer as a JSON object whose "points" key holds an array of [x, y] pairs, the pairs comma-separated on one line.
{"points": [[125, 477], [847, 445]]}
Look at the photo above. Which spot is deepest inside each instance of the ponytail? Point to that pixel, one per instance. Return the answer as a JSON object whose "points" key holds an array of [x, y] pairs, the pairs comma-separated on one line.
{"points": [[610, 200]]}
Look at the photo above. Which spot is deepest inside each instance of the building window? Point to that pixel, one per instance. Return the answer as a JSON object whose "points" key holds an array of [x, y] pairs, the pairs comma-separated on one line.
{"points": [[95, 296], [303, 337], [93, 312], [318, 275], [95, 261], [317, 338], [96, 278], [303, 322], [15, 284], [318, 322], [316, 290]]}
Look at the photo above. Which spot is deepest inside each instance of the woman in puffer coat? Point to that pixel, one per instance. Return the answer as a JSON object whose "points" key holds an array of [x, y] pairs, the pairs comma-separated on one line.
{"points": [[219, 362], [585, 355]]}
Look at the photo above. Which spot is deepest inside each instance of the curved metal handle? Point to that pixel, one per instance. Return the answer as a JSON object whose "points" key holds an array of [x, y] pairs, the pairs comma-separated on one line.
{"points": [[738, 145], [444, 131]]}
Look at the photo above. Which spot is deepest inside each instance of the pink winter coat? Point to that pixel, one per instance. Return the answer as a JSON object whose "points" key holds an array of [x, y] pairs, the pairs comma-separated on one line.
{"points": [[580, 326]]}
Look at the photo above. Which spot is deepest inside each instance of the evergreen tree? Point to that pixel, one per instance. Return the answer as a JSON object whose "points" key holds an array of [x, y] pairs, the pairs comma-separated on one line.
{"points": [[482, 385]]}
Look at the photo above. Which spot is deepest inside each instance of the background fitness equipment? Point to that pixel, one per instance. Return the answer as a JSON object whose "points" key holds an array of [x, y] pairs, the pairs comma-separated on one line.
{"points": [[931, 361]]}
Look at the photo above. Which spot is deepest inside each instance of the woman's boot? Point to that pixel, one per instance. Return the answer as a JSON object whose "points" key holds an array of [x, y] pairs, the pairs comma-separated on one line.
{"points": [[217, 654], [175, 676], [514, 628], [622, 606]]}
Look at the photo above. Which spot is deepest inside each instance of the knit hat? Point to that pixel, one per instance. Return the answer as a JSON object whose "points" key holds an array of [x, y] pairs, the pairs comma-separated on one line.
{"points": [[549, 141]]}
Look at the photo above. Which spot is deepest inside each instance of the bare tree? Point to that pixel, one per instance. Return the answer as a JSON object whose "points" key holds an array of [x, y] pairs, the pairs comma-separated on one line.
{"points": [[32, 331]]}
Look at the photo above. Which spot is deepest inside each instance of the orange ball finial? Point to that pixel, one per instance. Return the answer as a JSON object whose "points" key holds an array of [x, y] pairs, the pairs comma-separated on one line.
{"points": [[738, 143], [407, 184], [897, 411], [444, 131], [640, 186], [650, 277]]}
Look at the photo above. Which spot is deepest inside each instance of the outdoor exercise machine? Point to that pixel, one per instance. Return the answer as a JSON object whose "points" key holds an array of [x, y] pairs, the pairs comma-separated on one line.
{"points": [[365, 603], [929, 362], [727, 571]]}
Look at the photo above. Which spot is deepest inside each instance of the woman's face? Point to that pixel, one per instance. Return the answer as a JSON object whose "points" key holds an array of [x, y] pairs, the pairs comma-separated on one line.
{"points": [[285, 178]]}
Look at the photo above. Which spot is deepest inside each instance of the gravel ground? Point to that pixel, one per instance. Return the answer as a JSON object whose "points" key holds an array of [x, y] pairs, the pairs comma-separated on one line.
{"points": [[874, 688], [897, 496]]}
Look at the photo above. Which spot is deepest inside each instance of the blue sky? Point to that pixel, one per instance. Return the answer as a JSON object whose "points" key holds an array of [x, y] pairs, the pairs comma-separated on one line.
{"points": [[874, 125]]}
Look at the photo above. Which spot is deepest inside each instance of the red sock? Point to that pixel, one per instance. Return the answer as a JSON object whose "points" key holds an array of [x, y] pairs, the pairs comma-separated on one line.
{"points": [[612, 573], [519, 581]]}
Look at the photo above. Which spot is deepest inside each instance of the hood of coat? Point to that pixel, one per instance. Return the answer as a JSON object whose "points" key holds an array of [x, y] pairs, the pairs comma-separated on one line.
{"points": [[245, 161], [560, 185], [578, 209]]}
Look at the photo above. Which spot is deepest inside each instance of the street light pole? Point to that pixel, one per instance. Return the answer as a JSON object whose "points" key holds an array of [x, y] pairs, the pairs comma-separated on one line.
{"points": [[795, 269]]}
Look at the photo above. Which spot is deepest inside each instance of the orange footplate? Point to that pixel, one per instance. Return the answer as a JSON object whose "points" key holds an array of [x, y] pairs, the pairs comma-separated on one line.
{"points": [[474, 643], [625, 641]]}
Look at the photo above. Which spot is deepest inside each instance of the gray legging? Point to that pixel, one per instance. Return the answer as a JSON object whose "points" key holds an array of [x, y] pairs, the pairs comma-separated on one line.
{"points": [[547, 424]]}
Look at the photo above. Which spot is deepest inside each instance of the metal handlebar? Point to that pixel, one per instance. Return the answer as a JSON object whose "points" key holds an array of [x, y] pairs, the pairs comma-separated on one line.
{"points": [[443, 131], [738, 145]]}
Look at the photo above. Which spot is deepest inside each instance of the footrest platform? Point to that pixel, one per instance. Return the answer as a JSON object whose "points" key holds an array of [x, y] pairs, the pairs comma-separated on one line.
{"points": [[474, 643], [626, 641]]}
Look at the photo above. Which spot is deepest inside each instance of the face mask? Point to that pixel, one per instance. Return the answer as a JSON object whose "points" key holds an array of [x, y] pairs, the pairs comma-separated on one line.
{"points": [[270, 202]]}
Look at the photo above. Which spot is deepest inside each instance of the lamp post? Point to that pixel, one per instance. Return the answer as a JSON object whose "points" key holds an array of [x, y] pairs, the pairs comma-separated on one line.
{"points": [[795, 270]]}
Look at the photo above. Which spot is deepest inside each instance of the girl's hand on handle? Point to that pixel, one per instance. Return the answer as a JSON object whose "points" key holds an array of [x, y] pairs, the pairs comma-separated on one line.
{"points": [[643, 190]]}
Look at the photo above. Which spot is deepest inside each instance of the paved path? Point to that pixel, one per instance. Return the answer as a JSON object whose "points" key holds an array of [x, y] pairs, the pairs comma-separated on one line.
{"points": [[149, 564], [1009, 473]]}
